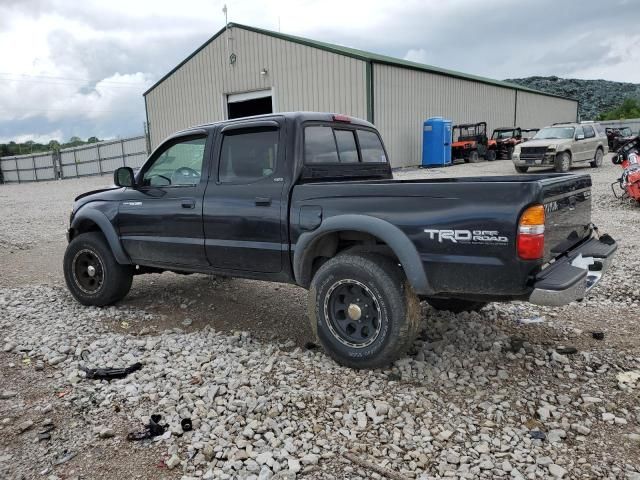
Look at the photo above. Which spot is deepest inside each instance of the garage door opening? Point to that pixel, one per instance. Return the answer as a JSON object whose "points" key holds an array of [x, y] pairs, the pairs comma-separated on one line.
{"points": [[249, 103]]}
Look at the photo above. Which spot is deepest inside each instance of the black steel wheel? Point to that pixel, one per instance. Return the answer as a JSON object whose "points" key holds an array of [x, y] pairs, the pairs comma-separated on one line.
{"points": [[353, 313], [92, 274], [362, 309], [88, 271]]}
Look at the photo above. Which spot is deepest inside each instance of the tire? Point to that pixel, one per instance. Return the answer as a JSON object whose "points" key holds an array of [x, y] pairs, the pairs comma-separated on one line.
{"points": [[92, 274], [510, 153], [371, 284], [597, 160], [562, 162], [491, 155], [455, 305], [521, 169], [474, 157]]}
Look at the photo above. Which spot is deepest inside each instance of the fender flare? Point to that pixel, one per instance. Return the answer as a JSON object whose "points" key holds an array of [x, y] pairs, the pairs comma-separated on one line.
{"points": [[395, 238], [107, 230]]}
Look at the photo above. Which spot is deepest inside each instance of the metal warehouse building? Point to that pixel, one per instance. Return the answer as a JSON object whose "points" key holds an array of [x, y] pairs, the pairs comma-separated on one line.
{"points": [[244, 71]]}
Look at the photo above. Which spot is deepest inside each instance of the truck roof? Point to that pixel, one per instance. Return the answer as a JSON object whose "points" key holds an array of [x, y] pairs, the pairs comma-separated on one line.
{"points": [[298, 117]]}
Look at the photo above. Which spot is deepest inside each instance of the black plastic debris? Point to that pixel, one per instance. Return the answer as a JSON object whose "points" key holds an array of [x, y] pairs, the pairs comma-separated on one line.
{"points": [[153, 429], [567, 350], [110, 373], [537, 435], [598, 335], [186, 425], [311, 346]]}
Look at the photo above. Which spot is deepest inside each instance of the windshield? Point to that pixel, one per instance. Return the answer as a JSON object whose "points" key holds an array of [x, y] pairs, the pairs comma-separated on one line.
{"points": [[555, 132], [626, 131], [499, 134]]}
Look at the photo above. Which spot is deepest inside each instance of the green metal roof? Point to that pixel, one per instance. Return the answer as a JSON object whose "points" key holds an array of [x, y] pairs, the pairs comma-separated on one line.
{"points": [[361, 55]]}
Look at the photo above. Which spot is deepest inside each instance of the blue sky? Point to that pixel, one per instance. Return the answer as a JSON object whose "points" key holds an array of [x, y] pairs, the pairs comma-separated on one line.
{"points": [[79, 68]]}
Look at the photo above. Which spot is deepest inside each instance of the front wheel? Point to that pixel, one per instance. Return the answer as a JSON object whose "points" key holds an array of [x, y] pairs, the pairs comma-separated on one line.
{"points": [[91, 272], [521, 169], [455, 305], [597, 160], [562, 163], [510, 152], [491, 155], [363, 310]]}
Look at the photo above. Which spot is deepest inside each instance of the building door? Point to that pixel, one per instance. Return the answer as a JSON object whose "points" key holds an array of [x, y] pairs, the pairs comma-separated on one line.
{"points": [[248, 104]]}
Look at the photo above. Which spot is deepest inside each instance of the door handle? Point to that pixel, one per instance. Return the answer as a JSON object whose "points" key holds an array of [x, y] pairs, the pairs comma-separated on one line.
{"points": [[188, 204], [263, 201]]}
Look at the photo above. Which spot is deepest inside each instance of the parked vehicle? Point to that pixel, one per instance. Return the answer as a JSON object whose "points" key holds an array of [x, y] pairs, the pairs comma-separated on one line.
{"points": [[616, 137], [628, 157], [562, 146], [469, 142], [310, 199], [529, 133], [502, 142]]}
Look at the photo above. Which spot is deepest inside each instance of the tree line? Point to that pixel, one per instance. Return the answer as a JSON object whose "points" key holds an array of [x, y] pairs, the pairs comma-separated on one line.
{"points": [[29, 147]]}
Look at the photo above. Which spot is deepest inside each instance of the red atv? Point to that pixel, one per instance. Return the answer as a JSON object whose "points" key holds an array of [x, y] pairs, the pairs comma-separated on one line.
{"points": [[628, 157]]}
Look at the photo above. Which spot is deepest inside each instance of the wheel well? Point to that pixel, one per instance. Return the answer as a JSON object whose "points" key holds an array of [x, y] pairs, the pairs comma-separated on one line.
{"points": [[331, 244], [84, 226]]}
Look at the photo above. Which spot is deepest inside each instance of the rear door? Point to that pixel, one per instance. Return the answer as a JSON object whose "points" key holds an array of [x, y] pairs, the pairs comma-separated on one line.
{"points": [[243, 204], [591, 142], [160, 221]]}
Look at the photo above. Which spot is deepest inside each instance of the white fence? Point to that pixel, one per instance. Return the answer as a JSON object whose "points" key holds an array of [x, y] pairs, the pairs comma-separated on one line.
{"points": [[93, 159]]}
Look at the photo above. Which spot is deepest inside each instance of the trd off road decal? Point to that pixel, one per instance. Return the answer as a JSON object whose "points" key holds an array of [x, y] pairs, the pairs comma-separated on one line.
{"points": [[474, 237]]}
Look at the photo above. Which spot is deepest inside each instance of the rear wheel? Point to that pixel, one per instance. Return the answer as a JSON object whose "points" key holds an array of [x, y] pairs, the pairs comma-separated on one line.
{"points": [[474, 157], [491, 155], [363, 310], [521, 169], [91, 272], [455, 305], [562, 162], [597, 160]]}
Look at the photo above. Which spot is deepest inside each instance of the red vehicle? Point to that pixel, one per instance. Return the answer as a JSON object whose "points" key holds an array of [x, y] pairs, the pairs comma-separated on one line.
{"points": [[470, 142], [504, 139], [628, 157]]}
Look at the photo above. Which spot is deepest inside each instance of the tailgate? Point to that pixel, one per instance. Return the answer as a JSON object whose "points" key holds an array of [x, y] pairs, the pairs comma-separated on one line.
{"points": [[567, 204]]}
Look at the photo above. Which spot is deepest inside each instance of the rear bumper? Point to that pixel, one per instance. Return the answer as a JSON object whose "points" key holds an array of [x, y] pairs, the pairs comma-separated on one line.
{"points": [[570, 278]]}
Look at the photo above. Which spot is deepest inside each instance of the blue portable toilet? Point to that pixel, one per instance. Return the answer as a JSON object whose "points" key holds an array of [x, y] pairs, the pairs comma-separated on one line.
{"points": [[436, 142]]}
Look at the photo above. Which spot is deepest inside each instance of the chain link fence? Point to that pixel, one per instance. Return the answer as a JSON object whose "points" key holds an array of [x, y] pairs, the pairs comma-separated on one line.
{"points": [[93, 159]]}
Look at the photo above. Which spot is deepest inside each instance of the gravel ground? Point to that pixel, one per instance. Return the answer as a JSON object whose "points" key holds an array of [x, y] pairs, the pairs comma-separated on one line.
{"points": [[481, 395]]}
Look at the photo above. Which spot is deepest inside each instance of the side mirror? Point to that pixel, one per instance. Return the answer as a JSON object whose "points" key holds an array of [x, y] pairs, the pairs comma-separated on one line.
{"points": [[123, 177], [579, 137]]}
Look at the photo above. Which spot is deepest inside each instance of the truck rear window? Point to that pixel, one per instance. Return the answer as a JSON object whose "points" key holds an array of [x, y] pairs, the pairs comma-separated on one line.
{"points": [[325, 144]]}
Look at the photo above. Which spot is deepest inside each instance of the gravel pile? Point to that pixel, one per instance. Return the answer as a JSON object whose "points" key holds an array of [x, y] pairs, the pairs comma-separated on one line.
{"points": [[514, 391], [479, 396]]}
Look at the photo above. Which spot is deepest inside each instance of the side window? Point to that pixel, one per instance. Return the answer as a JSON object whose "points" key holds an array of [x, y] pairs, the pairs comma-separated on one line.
{"points": [[588, 131], [579, 131], [320, 145], [178, 165], [371, 147], [347, 149], [248, 155]]}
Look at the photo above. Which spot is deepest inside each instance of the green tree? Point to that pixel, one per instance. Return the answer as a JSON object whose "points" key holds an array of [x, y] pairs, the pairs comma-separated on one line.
{"points": [[92, 140], [630, 108]]}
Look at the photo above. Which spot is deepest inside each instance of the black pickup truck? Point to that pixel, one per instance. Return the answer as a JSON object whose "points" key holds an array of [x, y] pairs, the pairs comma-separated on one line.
{"points": [[310, 199]]}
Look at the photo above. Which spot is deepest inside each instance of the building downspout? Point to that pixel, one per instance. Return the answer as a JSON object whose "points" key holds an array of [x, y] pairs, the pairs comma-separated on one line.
{"points": [[369, 91]]}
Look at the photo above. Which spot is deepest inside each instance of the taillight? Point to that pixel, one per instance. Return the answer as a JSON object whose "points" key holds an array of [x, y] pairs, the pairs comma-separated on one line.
{"points": [[342, 118], [530, 241]]}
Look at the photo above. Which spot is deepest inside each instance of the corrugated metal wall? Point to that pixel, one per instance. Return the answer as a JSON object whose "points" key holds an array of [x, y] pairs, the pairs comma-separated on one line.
{"points": [[302, 78], [404, 99], [536, 111]]}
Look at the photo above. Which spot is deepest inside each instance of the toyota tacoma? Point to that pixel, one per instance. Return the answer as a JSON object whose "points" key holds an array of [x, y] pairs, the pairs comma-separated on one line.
{"points": [[310, 199]]}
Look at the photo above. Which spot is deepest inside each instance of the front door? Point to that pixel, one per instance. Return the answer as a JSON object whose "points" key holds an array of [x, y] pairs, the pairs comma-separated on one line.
{"points": [[590, 142], [160, 221], [579, 146], [243, 205]]}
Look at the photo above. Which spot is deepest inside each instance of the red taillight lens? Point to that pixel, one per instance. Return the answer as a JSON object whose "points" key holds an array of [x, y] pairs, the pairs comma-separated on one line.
{"points": [[530, 241]]}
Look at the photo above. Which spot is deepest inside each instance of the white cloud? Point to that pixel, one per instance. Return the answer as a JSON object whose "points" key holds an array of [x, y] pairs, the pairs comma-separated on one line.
{"points": [[418, 55], [37, 138]]}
